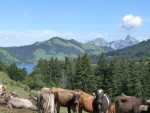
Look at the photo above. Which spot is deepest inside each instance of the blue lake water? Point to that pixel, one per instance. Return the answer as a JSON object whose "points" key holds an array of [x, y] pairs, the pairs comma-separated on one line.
{"points": [[29, 67]]}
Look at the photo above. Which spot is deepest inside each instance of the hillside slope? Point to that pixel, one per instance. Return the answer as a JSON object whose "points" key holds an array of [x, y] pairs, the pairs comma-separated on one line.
{"points": [[13, 86], [54, 47]]}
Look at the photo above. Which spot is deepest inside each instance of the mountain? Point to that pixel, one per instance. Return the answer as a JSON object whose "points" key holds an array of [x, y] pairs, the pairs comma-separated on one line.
{"points": [[6, 57], [60, 48], [120, 44], [54, 47], [115, 45], [100, 42], [140, 50]]}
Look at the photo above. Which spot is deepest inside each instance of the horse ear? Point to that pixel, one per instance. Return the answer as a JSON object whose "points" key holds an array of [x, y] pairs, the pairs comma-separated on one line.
{"points": [[143, 108], [148, 101], [34, 98], [122, 94], [94, 94], [14, 94], [124, 99]]}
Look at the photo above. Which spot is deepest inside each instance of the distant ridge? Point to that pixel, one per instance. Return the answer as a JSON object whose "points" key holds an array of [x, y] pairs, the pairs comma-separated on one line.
{"points": [[60, 48], [54, 47], [118, 44], [100, 42], [140, 50]]}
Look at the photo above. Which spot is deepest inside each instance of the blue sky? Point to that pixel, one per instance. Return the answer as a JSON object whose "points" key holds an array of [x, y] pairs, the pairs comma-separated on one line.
{"points": [[26, 21]]}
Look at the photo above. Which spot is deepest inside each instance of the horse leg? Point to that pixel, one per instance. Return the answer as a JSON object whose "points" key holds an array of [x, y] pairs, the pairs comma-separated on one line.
{"points": [[69, 110], [80, 110], [57, 108], [10, 106]]}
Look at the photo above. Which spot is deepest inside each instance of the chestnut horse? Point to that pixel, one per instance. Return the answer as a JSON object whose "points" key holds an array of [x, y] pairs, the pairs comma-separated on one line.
{"points": [[86, 101], [66, 98]]}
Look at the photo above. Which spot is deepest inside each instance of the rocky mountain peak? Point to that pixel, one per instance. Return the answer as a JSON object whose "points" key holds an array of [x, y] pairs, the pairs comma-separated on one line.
{"points": [[101, 42]]}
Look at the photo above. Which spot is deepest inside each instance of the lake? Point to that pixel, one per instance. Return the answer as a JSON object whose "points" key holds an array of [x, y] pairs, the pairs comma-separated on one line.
{"points": [[29, 67]]}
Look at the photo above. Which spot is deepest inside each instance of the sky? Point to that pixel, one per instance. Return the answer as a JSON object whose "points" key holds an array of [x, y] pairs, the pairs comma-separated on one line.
{"points": [[24, 22]]}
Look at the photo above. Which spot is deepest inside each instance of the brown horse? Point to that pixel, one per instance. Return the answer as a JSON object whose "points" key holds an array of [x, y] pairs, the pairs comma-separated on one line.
{"points": [[86, 101], [66, 98], [131, 104]]}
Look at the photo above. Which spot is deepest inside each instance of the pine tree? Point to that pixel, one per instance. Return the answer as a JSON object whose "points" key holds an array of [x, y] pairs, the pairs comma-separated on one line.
{"points": [[15, 73], [77, 78], [55, 71], [134, 79], [119, 76], [145, 78], [103, 74], [84, 78], [69, 71]]}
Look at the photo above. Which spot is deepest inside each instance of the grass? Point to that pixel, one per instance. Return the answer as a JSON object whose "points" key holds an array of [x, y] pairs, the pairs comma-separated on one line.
{"points": [[4, 109], [19, 88]]}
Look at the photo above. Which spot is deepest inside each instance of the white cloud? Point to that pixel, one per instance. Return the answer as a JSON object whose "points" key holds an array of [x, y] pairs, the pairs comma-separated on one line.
{"points": [[131, 21]]}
